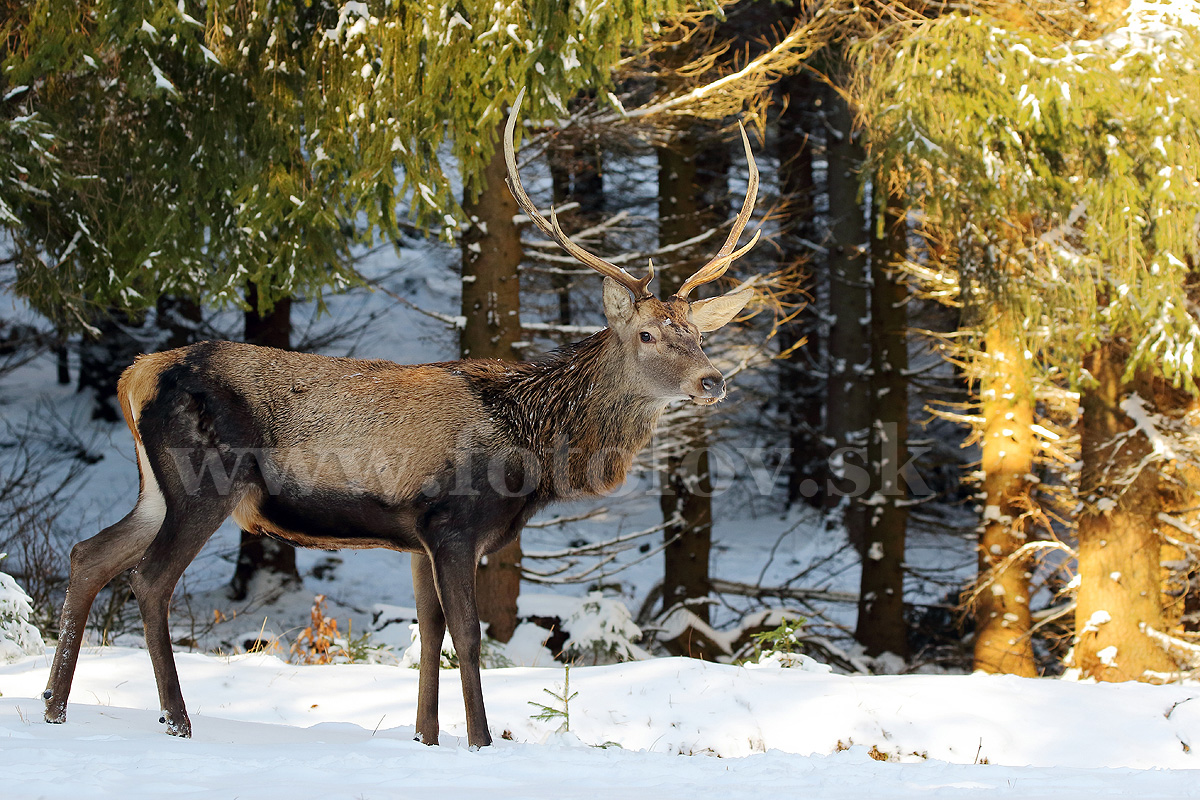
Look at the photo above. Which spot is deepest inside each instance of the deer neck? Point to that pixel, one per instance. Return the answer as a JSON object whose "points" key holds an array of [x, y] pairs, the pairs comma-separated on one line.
{"points": [[580, 413]]}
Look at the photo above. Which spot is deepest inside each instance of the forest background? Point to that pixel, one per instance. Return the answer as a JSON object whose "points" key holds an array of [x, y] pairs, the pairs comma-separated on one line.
{"points": [[976, 325]]}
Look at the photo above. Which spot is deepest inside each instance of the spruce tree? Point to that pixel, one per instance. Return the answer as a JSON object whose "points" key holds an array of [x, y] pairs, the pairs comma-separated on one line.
{"points": [[193, 148], [1066, 174]]}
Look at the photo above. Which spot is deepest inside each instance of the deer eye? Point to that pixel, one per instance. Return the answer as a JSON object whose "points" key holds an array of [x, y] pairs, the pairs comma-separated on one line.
{"points": [[647, 337]]}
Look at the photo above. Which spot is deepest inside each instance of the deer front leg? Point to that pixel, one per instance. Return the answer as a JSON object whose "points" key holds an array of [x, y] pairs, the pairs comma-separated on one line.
{"points": [[431, 623], [454, 570], [153, 581]]}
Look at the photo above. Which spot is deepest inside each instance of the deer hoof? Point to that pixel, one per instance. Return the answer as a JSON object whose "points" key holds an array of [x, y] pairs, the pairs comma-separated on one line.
{"points": [[56, 713], [181, 728]]}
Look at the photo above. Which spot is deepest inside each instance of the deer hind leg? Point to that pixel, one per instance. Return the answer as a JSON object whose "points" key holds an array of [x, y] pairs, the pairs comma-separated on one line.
{"points": [[187, 528], [431, 623], [454, 570], [95, 562]]}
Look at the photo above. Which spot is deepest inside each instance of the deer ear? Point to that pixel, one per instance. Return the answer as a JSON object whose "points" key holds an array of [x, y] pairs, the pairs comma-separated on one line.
{"points": [[708, 315], [618, 304]]}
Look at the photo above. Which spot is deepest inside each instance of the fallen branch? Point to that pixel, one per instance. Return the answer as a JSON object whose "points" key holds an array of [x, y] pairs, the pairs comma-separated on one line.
{"points": [[782, 592]]}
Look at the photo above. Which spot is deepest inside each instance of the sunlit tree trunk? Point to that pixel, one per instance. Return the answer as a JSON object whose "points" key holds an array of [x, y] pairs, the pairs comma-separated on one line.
{"points": [[1002, 617], [491, 304], [1119, 592], [1181, 562], [1120, 553]]}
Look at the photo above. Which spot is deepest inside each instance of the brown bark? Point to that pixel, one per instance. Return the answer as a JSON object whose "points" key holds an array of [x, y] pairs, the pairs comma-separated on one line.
{"points": [[847, 403], [104, 356], [262, 553], [1002, 617], [1180, 566], [576, 178], [801, 388], [180, 318], [491, 304], [881, 625], [1119, 592], [687, 207]]}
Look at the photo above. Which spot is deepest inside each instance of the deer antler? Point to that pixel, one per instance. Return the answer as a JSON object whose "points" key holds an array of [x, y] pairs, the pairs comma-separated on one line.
{"points": [[727, 255], [551, 227]]}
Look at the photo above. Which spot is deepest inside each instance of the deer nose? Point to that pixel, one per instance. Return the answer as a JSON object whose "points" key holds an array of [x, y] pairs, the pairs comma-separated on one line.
{"points": [[713, 385]]}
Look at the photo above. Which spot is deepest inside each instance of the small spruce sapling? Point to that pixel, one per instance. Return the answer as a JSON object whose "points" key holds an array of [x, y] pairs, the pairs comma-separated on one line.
{"points": [[781, 645], [491, 652], [551, 713]]}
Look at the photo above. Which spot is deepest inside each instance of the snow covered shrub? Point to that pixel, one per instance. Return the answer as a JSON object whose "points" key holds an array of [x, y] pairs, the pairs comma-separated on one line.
{"points": [[602, 631], [17, 636]]}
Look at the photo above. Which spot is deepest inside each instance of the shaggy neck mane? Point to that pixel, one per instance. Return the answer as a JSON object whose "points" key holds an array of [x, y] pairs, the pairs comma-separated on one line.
{"points": [[574, 403]]}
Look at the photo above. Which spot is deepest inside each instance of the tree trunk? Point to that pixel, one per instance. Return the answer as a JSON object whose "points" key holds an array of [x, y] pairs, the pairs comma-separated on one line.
{"points": [[102, 359], [576, 178], [847, 400], [180, 318], [1119, 553], [262, 554], [62, 362], [1180, 563], [491, 304], [881, 625], [801, 387], [1002, 618], [687, 206]]}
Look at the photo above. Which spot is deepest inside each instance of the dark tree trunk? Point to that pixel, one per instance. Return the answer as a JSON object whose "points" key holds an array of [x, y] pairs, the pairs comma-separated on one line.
{"points": [[491, 304], [575, 175], [691, 199], [881, 625], [102, 359], [801, 384], [262, 554], [180, 318], [62, 359], [847, 401]]}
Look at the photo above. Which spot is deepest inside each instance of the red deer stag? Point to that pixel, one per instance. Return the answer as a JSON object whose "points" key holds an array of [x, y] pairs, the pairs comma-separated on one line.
{"points": [[446, 461]]}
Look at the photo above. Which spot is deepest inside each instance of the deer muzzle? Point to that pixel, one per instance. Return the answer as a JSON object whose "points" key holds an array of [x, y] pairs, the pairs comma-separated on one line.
{"points": [[712, 389]]}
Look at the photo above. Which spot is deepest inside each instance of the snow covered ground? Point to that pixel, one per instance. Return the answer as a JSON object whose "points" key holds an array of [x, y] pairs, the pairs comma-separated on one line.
{"points": [[669, 728]]}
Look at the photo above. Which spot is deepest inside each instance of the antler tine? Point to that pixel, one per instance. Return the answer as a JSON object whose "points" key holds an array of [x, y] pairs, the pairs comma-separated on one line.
{"points": [[716, 267], [551, 227]]}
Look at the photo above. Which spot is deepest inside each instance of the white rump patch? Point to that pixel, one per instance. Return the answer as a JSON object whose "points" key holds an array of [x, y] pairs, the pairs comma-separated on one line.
{"points": [[151, 508]]}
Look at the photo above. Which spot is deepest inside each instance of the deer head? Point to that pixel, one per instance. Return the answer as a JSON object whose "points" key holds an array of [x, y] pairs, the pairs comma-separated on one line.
{"points": [[660, 338]]}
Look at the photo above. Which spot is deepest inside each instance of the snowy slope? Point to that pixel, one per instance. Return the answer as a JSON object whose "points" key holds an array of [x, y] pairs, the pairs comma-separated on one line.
{"points": [[268, 729]]}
